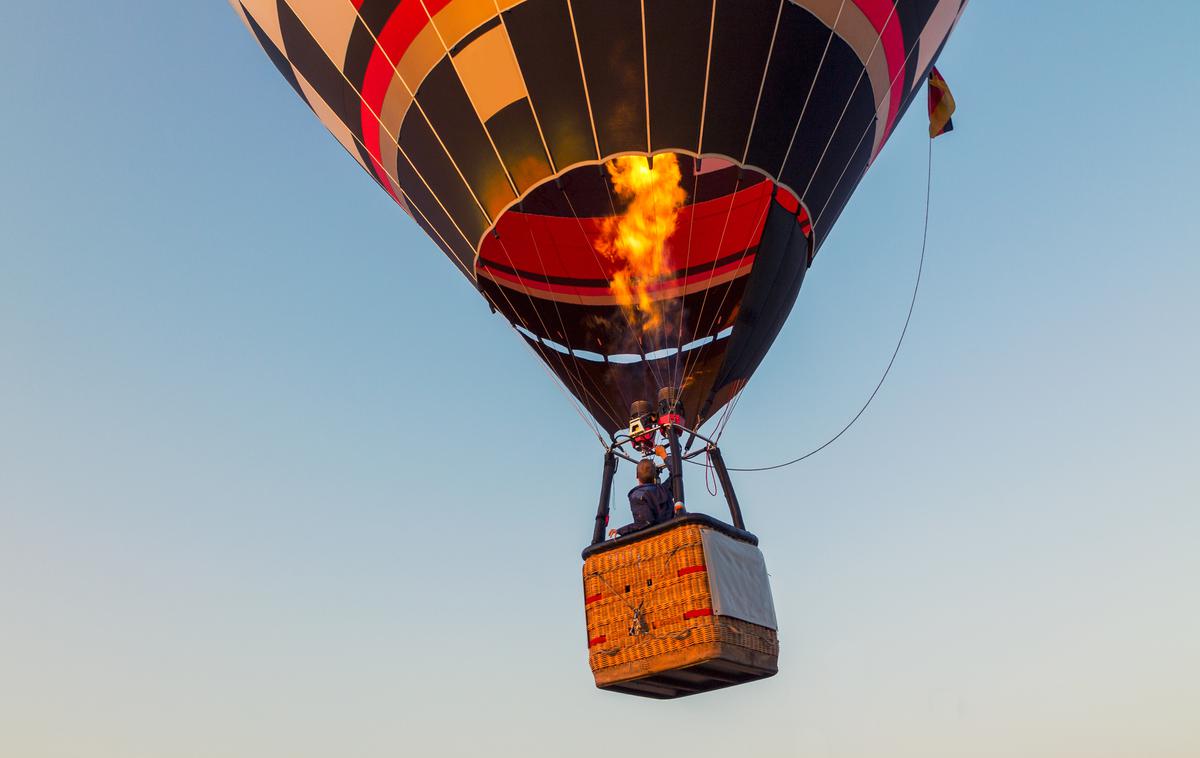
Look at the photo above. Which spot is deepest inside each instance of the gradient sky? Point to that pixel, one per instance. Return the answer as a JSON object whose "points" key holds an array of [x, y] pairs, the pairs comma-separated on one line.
{"points": [[273, 482]]}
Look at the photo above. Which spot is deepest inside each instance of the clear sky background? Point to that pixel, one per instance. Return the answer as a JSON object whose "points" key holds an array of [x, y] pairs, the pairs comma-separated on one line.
{"points": [[273, 482]]}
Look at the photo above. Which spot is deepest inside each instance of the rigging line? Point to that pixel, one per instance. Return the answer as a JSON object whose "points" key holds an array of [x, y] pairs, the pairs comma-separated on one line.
{"points": [[907, 319], [654, 373], [540, 352], [533, 306], [412, 206], [762, 85], [583, 78], [720, 420], [803, 110], [681, 360], [811, 88], [757, 227], [824, 154], [395, 140], [578, 380], [402, 152], [633, 329], [487, 132], [891, 86], [690, 363], [762, 219], [605, 180], [646, 74], [532, 106], [677, 374], [849, 99], [578, 368], [733, 401], [554, 377], [870, 125], [414, 102], [600, 396], [712, 25], [558, 382]]}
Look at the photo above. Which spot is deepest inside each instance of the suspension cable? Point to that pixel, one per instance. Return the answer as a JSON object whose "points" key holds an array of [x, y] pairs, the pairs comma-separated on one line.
{"points": [[904, 331]]}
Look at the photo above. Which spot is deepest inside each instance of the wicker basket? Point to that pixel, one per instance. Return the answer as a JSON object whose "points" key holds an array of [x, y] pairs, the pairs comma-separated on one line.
{"points": [[650, 622]]}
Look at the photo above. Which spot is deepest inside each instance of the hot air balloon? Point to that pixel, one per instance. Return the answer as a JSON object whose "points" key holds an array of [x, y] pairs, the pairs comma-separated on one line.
{"points": [[638, 187]]}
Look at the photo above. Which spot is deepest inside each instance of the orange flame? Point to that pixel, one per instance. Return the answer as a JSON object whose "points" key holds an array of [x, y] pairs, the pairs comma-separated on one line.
{"points": [[637, 238]]}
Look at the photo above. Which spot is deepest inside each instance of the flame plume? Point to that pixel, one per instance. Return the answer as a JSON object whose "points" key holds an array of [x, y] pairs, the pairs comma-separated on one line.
{"points": [[636, 239]]}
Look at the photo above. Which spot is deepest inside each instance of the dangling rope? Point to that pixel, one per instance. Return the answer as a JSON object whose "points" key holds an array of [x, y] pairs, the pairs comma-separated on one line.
{"points": [[907, 319]]}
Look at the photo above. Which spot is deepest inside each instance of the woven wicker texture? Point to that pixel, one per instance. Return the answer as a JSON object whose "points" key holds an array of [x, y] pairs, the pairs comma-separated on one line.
{"points": [[651, 598]]}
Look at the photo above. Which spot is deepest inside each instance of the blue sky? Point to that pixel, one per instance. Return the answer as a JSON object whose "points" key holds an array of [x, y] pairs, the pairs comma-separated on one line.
{"points": [[273, 482]]}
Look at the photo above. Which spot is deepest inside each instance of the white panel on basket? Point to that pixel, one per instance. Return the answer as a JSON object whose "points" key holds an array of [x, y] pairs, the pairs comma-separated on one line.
{"points": [[737, 577]]}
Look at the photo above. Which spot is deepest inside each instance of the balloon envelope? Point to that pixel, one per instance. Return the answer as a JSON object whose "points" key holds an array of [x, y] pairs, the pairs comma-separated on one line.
{"points": [[494, 125]]}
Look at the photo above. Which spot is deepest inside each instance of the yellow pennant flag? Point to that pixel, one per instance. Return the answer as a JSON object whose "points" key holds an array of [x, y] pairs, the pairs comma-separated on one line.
{"points": [[941, 105]]}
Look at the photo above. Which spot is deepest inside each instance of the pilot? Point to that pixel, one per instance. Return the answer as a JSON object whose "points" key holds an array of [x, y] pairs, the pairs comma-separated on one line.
{"points": [[650, 502]]}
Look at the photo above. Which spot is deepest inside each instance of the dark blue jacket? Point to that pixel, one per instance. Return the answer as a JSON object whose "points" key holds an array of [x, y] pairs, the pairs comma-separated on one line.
{"points": [[651, 504]]}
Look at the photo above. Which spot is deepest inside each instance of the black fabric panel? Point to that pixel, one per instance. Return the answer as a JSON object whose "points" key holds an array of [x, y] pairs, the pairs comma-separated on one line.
{"points": [[799, 45], [769, 295], [838, 76], [337, 89], [849, 150], [462, 252], [741, 41], [724, 182], [914, 15], [676, 60], [421, 197], [592, 195], [314, 65], [610, 44], [275, 54], [377, 12], [431, 161], [587, 187], [515, 134], [358, 53], [607, 389], [838, 202], [452, 115], [540, 31]]}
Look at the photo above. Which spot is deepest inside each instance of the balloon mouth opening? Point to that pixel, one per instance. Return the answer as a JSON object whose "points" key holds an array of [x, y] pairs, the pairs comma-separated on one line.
{"points": [[624, 358], [612, 261], [628, 275]]}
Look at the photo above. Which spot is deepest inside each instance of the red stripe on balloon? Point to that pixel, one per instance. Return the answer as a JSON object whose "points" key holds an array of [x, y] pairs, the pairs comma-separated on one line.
{"points": [[884, 16], [534, 286], [398, 33], [569, 248]]}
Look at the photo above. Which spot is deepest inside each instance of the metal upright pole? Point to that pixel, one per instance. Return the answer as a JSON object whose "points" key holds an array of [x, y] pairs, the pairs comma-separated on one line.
{"points": [[610, 470], [735, 510], [676, 468]]}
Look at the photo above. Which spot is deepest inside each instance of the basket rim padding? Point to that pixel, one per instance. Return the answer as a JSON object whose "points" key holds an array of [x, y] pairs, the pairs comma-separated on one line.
{"points": [[702, 519]]}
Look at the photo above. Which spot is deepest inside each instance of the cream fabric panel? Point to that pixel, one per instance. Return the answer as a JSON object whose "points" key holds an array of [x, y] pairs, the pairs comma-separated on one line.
{"points": [[488, 70], [939, 26]]}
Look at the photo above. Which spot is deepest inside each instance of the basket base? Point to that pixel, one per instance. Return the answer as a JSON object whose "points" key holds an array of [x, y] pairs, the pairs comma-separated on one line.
{"points": [[699, 668]]}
